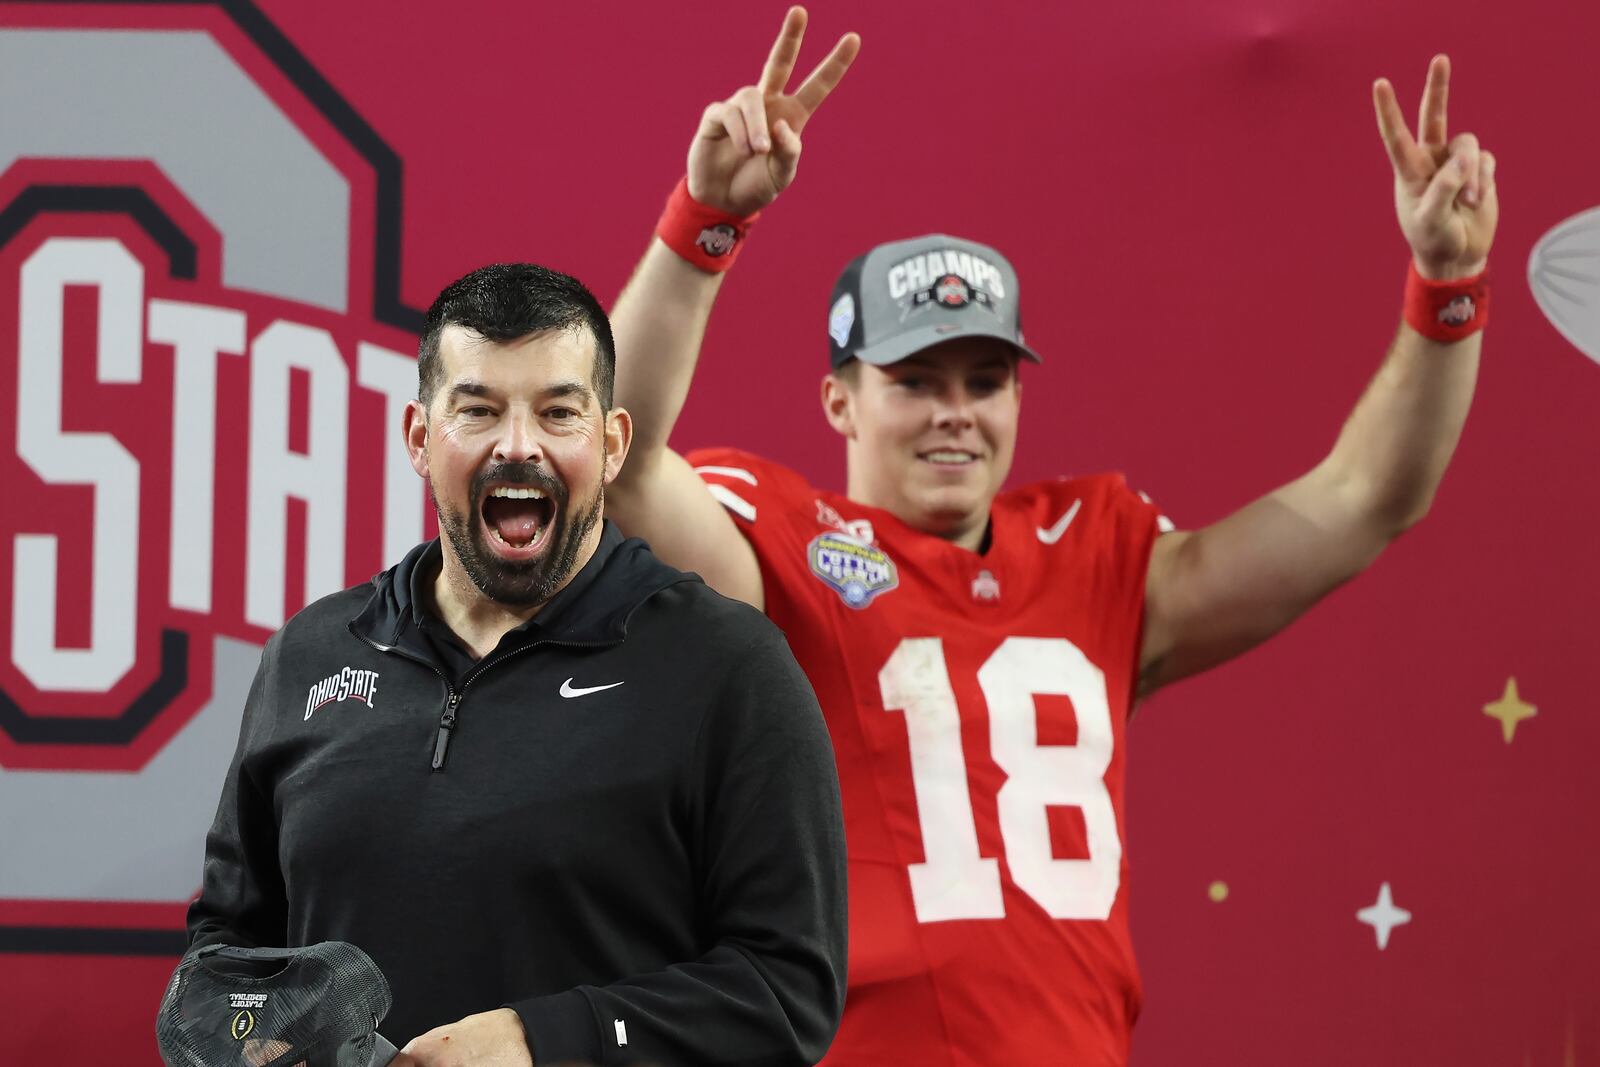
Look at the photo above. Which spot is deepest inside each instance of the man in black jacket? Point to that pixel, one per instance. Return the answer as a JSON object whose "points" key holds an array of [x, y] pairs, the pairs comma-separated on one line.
{"points": [[576, 805]]}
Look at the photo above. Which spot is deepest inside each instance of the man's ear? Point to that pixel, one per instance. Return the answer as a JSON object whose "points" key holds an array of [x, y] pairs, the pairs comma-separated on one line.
{"points": [[414, 428], [617, 439], [838, 405]]}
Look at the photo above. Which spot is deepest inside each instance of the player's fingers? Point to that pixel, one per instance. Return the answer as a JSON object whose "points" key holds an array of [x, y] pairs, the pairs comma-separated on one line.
{"points": [[1466, 146], [785, 50], [753, 108], [1410, 162], [1438, 201], [712, 125], [1486, 191], [422, 1049], [820, 82], [738, 131], [785, 153], [1432, 124]]}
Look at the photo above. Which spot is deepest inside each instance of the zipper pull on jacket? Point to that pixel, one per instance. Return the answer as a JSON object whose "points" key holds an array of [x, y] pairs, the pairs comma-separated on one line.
{"points": [[447, 722]]}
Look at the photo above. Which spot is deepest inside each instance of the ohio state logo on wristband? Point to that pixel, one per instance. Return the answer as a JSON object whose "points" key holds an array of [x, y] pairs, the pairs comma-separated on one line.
{"points": [[1446, 311], [718, 240], [708, 238], [1458, 312]]}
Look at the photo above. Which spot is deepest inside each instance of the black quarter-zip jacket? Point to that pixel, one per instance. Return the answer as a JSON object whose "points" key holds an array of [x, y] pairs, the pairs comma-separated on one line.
{"points": [[623, 823]]}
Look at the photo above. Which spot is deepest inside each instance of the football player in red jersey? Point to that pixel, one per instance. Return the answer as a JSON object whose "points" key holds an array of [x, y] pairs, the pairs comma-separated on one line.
{"points": [[977, 653]]}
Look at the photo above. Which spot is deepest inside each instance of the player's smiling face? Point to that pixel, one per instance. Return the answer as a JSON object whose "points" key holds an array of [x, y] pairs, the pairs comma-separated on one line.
{"points": [[931, 437], [517, 452]]}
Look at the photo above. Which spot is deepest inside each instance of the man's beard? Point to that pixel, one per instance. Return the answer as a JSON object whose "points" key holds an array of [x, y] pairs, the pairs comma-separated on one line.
{"points": [[519, 585]]}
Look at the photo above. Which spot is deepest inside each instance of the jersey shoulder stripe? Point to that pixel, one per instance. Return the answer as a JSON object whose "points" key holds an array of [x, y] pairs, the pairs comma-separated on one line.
{"points": [[748, 485]]}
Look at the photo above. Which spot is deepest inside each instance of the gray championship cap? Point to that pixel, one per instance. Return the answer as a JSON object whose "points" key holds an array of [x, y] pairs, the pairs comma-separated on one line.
{"points": [[268, 1007], [904, 296]]}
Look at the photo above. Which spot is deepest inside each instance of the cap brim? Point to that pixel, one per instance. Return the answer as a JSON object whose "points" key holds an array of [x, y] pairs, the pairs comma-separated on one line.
{"points": [[894, 349]]}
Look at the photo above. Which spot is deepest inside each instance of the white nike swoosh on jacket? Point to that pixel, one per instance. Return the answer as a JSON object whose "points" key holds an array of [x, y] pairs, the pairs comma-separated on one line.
{"points": [[568, 691]]}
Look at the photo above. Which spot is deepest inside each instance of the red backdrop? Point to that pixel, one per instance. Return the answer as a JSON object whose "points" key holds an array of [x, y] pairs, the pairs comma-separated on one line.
{"points": [[1199, 208]]}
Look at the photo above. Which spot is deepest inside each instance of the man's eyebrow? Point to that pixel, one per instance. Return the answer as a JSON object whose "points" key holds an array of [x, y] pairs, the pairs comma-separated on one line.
{"points": [[566, 387], [469, 388], [569, 387]]}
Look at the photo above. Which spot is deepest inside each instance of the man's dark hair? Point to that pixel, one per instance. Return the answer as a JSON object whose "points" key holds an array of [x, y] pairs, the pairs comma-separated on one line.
{"points": [[505, 301]]}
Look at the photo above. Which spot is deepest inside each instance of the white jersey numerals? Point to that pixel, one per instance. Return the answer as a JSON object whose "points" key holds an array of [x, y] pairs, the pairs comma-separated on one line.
{"points": [[955, 882]]}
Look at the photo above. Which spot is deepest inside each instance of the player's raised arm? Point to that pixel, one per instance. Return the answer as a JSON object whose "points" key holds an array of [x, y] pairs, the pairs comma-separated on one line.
{"points": [[1216, 592], [745, 152]]}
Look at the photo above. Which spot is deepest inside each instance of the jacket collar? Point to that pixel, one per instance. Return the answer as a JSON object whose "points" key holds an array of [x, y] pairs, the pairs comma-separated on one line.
{"points": [[593, 609]]}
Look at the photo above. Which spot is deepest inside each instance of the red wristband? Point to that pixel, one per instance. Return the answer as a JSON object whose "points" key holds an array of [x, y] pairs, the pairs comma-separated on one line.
{"points": [[706, 237], [1446, 311]]}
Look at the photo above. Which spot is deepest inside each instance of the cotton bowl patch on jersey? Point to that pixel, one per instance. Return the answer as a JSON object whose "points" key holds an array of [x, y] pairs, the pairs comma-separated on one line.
{"points": [[857, 571]]}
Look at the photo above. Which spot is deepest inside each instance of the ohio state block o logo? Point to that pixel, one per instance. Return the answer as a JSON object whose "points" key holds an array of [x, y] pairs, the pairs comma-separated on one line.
{"points": [[200, 314]]}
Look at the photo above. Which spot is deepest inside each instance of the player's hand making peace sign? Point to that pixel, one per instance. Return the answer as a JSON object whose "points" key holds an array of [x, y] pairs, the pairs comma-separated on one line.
{"points": [[747, 149], [1444, 191]]}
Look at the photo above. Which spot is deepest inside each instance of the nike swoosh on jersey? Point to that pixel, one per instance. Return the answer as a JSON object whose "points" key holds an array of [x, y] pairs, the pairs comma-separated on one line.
{"points": [[568, 691], [1053, 534]]}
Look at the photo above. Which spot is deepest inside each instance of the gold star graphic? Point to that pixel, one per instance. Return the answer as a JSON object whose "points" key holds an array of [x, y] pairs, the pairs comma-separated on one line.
{"points": [[1510, 709]]}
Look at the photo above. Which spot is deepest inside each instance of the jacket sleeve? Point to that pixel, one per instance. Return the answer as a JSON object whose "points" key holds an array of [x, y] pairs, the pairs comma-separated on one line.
{"points": [[770, 993], [242, 899]]}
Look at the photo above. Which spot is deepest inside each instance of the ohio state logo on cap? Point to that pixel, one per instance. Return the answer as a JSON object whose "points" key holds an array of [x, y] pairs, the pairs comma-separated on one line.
{"points": [[951, 292]]}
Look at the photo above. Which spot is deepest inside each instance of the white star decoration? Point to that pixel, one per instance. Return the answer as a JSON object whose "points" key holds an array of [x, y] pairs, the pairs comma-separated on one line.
{"points": [[1384, 916]]}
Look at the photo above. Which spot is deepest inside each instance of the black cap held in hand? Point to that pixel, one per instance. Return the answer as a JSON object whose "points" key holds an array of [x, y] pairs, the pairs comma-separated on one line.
{"points": [[261, 1007]]}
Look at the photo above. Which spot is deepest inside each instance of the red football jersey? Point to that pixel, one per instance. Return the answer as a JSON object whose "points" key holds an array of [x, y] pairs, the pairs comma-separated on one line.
{"points": [[978, 706]]}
